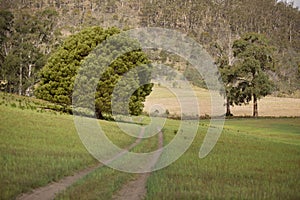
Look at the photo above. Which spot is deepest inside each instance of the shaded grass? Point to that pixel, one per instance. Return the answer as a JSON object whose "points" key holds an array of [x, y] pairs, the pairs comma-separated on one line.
{"points": [[31, 103], [241, 166]]}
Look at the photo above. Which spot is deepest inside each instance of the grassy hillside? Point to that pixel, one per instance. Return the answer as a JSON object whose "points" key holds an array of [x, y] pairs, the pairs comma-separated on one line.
{"points": [[39, 146]]}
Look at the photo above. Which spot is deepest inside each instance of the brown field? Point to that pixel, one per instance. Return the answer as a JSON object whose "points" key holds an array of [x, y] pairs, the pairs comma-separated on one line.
{"points": [[268, 106]]}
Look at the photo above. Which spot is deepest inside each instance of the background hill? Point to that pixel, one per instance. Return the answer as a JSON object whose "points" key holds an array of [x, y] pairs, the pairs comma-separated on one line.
{"points": [[43, 24]]}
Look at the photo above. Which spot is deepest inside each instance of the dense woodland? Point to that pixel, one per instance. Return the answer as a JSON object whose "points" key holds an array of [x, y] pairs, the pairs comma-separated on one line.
{"points": [[32, 30]]}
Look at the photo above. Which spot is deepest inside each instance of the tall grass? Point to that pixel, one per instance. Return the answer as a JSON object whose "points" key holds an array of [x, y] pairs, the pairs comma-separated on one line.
{"points": [[253, 159], [241, 166], [38, 148], [104, 182]]}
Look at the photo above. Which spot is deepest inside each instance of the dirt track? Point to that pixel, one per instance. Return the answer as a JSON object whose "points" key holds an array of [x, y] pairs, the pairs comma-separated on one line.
{"points": [[49, 191], [136, 189]]}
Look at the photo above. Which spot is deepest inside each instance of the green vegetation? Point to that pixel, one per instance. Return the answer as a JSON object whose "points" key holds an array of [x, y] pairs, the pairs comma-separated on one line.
{"points": [[256, 59], [253, 159], [26, 41], [38, 148], [246, 79], [104, 182], [32, 30], [100, 184], [44, 42], [59, 74]]}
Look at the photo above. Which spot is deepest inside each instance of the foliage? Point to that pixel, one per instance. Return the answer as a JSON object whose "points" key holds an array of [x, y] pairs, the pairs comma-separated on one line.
{"points": [[28, 40], [58, 76], [208, 22], [192, 75], [254, 60], [6, 20]]}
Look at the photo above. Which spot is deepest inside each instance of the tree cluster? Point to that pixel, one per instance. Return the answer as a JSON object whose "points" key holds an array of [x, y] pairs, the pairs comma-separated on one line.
{"points": [[26, 41], [31, 30]]}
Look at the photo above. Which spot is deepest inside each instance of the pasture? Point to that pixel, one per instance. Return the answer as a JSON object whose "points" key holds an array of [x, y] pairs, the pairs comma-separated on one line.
{"points": [[253, 159], [268, 106]]}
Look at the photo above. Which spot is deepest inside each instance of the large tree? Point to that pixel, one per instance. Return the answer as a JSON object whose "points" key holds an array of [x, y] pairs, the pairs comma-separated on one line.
{"points": [[58, 76], [254, 60]]}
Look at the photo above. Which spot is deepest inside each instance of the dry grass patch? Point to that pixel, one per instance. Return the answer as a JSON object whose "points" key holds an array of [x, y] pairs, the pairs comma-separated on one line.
{"points": [[268, 106]]}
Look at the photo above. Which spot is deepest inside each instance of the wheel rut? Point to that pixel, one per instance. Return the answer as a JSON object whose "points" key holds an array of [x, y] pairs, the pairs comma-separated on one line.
{"points": [[136, 189], [49, 191]]}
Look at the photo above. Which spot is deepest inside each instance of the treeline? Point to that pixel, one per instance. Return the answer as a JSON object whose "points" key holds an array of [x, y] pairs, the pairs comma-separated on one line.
{"points": [[32, 29], [217, 24], [26, 40]]}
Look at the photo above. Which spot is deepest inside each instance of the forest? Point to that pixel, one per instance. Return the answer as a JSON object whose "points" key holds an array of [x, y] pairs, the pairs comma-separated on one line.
{"points": [[31, 31]]}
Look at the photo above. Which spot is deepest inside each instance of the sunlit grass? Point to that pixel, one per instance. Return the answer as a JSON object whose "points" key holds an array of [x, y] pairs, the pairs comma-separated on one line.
{"points": [[38, 148], [241, 166], [253, 159], [105, 181]]}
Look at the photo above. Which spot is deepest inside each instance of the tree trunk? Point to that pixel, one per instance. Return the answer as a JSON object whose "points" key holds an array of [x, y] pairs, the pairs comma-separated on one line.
{"points": [[29, 70], [255, 106], [21, 78], [228, 111], [98, 113]]}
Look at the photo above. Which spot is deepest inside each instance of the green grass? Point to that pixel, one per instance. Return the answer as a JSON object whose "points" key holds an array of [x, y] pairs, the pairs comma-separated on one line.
{"points": [[241, 166], [104, 182], [284, 130], [253, 159], [100, 184], [38, 148]]}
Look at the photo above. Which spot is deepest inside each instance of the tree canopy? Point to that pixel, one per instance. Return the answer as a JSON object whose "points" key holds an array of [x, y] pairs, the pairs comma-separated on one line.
{"points": [[57, 78], [254, 59]]}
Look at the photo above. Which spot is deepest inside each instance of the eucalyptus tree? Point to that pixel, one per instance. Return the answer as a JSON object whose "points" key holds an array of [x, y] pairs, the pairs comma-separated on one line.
{"points": [[254, 59]]}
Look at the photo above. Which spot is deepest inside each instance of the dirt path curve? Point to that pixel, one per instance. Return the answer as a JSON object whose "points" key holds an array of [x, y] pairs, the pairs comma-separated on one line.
{"points": [[49, 191], [136, 189]]}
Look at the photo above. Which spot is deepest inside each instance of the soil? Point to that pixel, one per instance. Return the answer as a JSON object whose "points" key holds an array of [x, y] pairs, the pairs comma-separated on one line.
{"points": [[136, 189], [49, 192]]}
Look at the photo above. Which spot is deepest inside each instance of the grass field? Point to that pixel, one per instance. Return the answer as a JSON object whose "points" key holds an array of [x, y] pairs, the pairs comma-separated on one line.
{"points": [[38, 147], [268, 106], [253, 159]]}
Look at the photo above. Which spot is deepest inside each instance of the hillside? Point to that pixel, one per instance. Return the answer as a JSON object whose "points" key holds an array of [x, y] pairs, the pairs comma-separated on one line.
{"points": [[44, 24]]}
